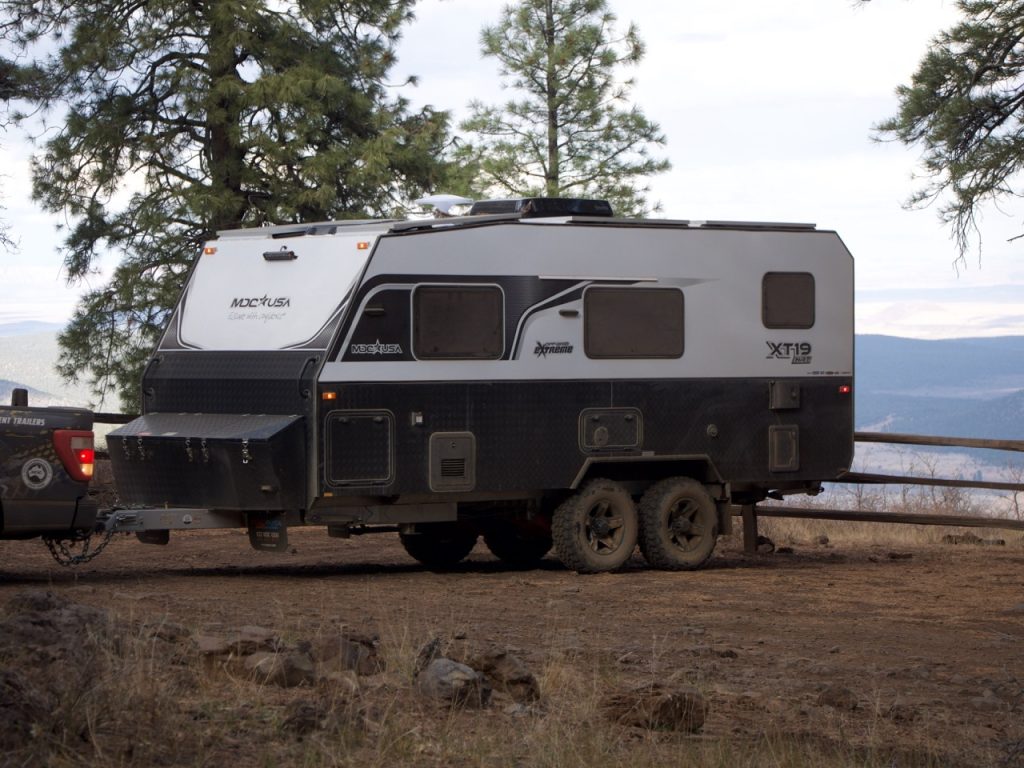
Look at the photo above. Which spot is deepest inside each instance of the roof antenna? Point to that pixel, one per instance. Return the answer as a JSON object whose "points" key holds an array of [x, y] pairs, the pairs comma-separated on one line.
{"points": [[443, 204]]}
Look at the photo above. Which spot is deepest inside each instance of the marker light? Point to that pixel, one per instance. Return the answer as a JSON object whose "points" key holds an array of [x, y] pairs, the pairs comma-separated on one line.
{"points": [[328, 395], [845, 389], [363, 245], [209, 250]]}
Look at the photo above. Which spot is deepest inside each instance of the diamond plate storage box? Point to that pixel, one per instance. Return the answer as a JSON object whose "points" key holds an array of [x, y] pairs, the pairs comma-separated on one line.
{"points": [[210, 460]]}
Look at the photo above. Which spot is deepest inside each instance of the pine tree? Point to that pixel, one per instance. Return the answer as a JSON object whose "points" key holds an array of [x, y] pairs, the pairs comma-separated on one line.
{"points": [[180, 118], [570, 131], [965, 108]]}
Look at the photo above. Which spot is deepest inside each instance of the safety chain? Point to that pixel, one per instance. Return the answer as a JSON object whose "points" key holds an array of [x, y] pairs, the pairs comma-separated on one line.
{"points": [[63, 549]]}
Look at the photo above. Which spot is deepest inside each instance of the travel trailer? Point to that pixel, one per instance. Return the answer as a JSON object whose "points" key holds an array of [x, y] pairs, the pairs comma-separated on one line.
{"points": [[540, 374]]}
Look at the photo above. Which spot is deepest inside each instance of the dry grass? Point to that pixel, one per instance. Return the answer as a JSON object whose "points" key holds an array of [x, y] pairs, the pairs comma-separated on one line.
{"points": [[145, 701]]}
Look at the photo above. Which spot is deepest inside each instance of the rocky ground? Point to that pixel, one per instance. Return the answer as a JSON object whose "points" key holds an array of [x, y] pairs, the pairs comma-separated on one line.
{"points": [[204, 652]]}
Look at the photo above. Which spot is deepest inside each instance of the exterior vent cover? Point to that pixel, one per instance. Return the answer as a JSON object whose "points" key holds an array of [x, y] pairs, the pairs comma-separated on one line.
{"points": [[783, 448], [452, 461]]}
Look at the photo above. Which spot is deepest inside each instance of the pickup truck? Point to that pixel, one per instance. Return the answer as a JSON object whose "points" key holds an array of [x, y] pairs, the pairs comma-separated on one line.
{"points": [[46, 463]]}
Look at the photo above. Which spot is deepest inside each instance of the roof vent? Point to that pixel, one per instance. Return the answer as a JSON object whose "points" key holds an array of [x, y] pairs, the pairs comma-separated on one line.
{"points": [[531, 207]]}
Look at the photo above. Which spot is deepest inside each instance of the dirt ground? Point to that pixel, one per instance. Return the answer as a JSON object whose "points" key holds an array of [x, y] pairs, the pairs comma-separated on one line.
{"points": [[928, 639]]}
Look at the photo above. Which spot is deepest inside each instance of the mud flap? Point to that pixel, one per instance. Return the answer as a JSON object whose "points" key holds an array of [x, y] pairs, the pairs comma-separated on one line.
{"points": [[268, 533]]}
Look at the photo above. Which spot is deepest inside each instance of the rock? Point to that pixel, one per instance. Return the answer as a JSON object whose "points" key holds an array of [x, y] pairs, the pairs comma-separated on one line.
{"points": [[726, 653], [285, 669], [784, 551], [210, 645], [245, 641], [167, 631], [834, 649], [1019, 608], [873, 559], [987, 704], [900, 555], [350, 651], [24, 711], [50, 628], [506, 672], [682, 709], [453, 683], [838, 697], [993, 542], [765, 546], [822, 541]]}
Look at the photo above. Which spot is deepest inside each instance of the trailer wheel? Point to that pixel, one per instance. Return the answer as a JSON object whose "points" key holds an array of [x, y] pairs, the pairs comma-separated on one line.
{"points": [[595, 529], [440, 545], [678, 524], [519, 542]]}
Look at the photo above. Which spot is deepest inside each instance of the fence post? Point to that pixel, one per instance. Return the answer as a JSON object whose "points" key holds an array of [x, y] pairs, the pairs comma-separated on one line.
{"points": [[749, 513]]}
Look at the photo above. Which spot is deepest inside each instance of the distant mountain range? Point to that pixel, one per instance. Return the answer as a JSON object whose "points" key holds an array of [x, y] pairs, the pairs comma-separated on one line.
{"points": [[950, 387], [28, 326]]}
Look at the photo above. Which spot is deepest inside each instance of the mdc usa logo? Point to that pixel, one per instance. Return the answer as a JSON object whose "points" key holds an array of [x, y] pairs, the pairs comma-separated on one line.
{"points": [[257, 302]]}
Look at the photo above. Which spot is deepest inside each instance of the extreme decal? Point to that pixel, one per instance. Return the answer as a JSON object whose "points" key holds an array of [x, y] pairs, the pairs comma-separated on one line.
{"points": [[545, 348]]}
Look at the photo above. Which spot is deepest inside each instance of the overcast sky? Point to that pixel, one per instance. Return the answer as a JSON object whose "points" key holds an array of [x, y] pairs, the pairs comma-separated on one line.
{"points": [[768, 110]]}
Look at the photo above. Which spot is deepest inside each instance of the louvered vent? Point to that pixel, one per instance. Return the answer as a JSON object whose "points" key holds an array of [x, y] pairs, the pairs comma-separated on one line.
{"points": [[453, 468], [452, 461]]}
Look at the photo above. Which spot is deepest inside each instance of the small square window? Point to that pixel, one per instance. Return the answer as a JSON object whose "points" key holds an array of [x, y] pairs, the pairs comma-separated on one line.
{"points": [[787, 300]]}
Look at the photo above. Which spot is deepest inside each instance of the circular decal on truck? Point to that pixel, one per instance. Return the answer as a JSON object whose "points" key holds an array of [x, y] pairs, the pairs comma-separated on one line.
{"points": [[36, 474]]}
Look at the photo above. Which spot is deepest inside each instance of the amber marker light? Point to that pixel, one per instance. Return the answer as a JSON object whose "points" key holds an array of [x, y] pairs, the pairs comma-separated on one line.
{"points": [[328, 395], [363, 245], [209, 250]]}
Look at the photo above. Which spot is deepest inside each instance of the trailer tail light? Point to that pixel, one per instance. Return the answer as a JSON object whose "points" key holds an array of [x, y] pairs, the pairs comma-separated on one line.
{"points": [[76, 451], [845, 389]]}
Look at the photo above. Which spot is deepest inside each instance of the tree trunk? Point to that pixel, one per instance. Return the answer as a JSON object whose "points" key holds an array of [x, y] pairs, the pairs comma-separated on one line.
{"points": [[225, 155], [552, 187]]}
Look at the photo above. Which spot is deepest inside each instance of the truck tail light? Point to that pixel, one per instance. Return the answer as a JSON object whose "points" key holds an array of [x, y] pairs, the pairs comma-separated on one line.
{"points": [[76, 451]]}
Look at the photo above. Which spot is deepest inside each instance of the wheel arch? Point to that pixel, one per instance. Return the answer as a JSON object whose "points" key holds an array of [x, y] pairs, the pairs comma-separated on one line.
{"points": [[649, 469]]}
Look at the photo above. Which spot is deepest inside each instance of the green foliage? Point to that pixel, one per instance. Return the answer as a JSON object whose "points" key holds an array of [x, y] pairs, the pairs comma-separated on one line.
{"points": [[965, 108], [571, 133], [181, 118]]}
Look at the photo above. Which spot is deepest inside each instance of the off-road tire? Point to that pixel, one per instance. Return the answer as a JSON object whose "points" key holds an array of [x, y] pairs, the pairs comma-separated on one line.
{"points": [[440, 545], [518, 542], [678, 524], [580, 539]]}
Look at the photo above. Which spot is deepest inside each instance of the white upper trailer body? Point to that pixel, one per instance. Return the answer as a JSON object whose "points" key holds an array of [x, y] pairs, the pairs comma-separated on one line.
{"points": [[524, 376]]}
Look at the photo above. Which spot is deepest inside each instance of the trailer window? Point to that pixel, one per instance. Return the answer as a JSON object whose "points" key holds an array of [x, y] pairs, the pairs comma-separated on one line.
{"points": [[458, 322], [787, 300], [633, 322]]}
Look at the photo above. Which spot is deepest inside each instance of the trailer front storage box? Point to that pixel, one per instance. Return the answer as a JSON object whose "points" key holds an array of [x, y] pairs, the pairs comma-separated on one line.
{"points": [[218, 461]]}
